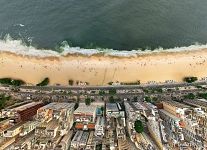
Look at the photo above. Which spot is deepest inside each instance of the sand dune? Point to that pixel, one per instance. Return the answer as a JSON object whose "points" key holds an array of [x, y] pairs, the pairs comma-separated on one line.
{"points": [[99, 70]]}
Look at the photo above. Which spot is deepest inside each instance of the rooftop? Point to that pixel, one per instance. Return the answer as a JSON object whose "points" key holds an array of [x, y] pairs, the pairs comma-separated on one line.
{"points": [[16, 126], [112, 107], [58, 106], [26, 106], [85, 108], [176, 104], [77, 136], [169, 114], [197, 102], [100, 121], [139, 106], [84, 137], [52, 124]]}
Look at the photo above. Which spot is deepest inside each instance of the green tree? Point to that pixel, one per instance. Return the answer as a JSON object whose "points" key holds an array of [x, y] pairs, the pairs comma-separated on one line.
{"points": [[159, 90], [110, 83], [148, 99], [202, 95], [17, 82], [154, 99], [44, 82], [102, 108], [70, 82], [135, 98], [101, 93], [190, 96], [3, 99], [190, 79], [111, 99], [10, 81], [138, 126], [112, 91], [87, 101]]}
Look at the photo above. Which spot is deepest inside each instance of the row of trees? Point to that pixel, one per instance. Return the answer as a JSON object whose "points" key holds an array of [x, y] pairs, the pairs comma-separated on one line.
{"points": [[198, 95], [127, 83], [3, 100], [131, 83], [9, 81], [14, 82]]}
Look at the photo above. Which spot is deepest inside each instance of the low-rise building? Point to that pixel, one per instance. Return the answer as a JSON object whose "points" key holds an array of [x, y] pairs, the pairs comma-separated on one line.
{"points": [[28, 127], [173, 126], [55, 121], [65, 142], [100, 126], [91, 145], [76, 140], [62, 112], [85, 113], [13, 131], [22, 113], [85, 116], [83, 140], [115, 110]]}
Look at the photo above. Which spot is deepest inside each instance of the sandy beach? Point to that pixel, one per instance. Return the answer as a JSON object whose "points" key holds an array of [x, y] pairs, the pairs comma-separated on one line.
{"points": [[100, 70]]}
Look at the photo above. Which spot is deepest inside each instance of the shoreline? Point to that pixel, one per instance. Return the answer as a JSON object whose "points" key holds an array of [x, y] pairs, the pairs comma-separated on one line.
{"points": [[100, 70]]}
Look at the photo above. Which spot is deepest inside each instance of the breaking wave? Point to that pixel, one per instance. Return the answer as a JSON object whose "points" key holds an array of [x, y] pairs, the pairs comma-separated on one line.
{"points": [[19, 47]]}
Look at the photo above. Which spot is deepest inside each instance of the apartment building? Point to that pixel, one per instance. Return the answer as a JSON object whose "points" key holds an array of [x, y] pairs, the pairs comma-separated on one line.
{"points": [[13, 131], [173, 127], [65, 142], [85, 113], [175, 108], [28, 127], [155, 124], [62, 112], [114, 110], [85, 116], [132, 114], [22, 113], [91, 145], [192, 121], [83, 140], [55, 121]]}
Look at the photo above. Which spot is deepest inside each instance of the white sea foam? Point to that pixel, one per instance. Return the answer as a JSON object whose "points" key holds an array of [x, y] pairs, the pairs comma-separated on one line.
{"points": [[21, 25], [17, 46]]}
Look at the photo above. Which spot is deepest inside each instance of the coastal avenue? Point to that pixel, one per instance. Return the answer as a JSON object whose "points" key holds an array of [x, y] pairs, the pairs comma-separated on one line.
{"points": [[163, 85], [124, 91]]}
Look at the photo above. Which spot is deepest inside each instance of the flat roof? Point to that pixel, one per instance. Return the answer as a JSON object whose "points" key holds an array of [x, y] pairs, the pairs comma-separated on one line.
{"points": [[112, 107], [84, 137], [58, 106], [139, 106], [169, 114], [16, 126], [100, 121], [83, 108], [77, 136], [197, 102], [52, 124], [177, 104], [23, 107]]}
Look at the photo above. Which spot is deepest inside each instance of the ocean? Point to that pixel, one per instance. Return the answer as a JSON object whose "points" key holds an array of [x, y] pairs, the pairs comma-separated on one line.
{"points": [[121, 25]]}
